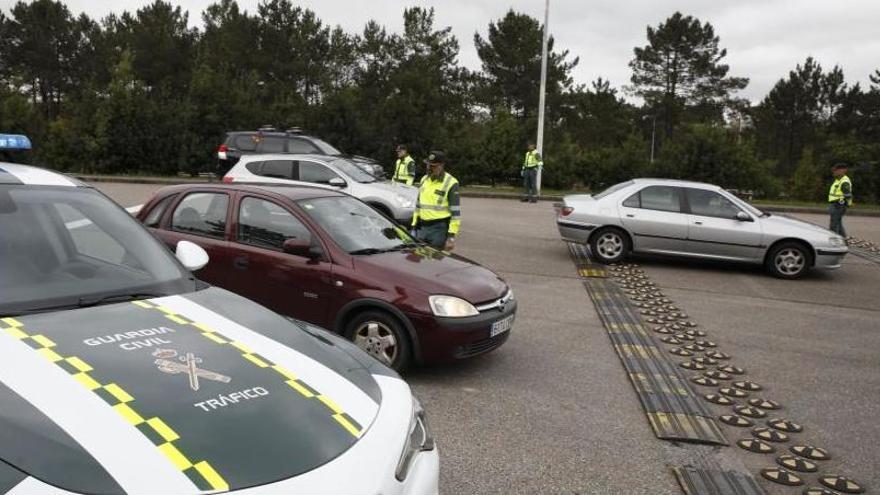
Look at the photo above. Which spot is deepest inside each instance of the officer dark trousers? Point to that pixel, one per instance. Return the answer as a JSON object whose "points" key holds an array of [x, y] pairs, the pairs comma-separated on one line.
{"points": [[433, 233], [837, 212], [530, 183]]}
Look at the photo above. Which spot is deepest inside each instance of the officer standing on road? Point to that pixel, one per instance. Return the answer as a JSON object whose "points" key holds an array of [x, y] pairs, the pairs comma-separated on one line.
{"points": [[839, 198], [404, 167], [531, 164], [437, 216]]}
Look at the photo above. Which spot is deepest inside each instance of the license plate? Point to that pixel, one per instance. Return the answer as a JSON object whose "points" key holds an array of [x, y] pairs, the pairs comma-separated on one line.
{"points": [[501, 326]]}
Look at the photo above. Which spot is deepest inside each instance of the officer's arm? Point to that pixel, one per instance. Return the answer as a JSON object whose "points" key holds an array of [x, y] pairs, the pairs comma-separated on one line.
{"points": [[454, 208], [540, 159], [411, 168], [415, 220], [846, 189]]}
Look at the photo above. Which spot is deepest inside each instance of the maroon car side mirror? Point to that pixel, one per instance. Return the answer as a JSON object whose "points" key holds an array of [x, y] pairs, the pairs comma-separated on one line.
{"points": [[299, 247]]}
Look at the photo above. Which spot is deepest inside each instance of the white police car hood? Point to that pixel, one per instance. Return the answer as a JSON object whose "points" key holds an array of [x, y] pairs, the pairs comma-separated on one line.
{"points": [[195, 393]]}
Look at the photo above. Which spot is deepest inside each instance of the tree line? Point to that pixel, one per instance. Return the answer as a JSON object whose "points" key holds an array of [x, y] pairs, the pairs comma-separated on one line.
{"points": [[143, 93]]}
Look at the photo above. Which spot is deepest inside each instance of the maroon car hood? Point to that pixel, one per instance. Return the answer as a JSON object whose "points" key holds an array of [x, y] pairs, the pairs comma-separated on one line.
{"points": [[433, 272]]}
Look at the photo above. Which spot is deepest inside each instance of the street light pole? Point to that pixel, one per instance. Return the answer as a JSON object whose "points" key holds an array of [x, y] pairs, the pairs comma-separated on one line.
{"points": [[540, 143], [653, 132]]}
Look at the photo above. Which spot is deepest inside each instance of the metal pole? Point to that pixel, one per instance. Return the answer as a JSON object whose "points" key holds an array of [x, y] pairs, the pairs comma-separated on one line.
{"points": [[653, 131], [540, 143]]}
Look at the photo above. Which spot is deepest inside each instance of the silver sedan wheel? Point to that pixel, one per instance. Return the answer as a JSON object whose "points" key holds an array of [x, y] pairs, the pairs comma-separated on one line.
{"points": [[790, 261], [377, 340], [610, 245]]}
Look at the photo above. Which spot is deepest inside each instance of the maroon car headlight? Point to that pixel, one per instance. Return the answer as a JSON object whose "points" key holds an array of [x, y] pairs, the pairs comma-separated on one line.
{"points": [[451, 307]]}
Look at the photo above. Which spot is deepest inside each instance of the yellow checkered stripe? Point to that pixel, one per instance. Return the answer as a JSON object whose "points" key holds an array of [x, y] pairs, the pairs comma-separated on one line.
{"points": [[341, 417], [163, 436]]}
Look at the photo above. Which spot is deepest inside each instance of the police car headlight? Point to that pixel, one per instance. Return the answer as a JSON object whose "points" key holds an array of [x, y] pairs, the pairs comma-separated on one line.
{"points": [[451, 306], [836, 241], [418, 439], [403, 201]]}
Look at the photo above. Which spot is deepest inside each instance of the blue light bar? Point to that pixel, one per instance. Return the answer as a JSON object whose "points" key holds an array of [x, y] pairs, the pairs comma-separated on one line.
{"points": [[14, 142]]}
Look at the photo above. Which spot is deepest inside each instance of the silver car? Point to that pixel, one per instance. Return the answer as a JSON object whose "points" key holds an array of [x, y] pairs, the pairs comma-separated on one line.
{"points": [[695, 220], [395, 201]]}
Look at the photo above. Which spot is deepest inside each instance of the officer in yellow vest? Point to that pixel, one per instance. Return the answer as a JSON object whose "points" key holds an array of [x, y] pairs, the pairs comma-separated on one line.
{"points": [[839, 198], [404, 167], [437, 216], [531, 164]]}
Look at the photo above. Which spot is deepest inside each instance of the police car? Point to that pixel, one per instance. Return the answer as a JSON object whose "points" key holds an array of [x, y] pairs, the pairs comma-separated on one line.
{"points": [[122, 373]]}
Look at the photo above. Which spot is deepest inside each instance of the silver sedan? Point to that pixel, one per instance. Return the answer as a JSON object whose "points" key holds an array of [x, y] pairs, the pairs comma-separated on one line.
{"points": [[695, 220]]}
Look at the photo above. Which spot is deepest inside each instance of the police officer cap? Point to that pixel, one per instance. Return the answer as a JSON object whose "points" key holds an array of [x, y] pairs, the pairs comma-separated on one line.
{"points": [[401, 147], [436, 157], [839, 165]]}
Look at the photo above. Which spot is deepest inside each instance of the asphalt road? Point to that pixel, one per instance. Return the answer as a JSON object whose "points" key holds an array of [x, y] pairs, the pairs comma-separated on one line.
{"points": [[552, 410]]}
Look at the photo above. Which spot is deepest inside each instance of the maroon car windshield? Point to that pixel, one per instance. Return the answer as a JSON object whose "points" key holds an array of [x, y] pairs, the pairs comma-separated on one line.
{"points": [[354, 226]]}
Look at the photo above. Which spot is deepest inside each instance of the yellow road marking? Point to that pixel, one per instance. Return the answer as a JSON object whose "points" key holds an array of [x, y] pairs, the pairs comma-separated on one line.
{"points": [[143, 304]]}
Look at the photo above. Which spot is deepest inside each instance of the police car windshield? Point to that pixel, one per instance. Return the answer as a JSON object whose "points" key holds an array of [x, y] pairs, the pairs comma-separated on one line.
{"points": [[353, 171], [356, 227], [61, 246], [325, 147]]}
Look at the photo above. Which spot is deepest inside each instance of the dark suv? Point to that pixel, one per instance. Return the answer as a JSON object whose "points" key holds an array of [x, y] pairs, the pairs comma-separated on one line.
{"points": [[268, 140]]}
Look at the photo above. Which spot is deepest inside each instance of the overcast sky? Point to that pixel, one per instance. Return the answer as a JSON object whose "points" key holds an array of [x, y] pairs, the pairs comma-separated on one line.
{"points": [[764, 38]]}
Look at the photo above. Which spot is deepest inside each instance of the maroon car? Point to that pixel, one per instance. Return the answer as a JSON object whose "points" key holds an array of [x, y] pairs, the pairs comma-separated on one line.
{"points": [[327, 258]]}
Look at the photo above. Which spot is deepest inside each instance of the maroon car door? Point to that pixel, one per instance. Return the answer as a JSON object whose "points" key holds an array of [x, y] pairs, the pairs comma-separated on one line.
{"points": [[201, 217], [292, 285]]}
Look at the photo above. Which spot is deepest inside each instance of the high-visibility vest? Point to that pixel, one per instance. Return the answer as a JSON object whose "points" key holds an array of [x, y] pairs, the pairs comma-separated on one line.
{"points": [[532, 159], [401, 171], [433, 202], [835, 194]]}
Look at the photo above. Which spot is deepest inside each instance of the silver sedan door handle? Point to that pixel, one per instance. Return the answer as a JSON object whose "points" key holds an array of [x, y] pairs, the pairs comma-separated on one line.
{"points": [[630, 215], [699, 223]]}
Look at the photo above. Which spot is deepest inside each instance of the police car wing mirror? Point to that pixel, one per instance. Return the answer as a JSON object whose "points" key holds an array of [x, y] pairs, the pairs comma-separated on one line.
{"points": [[337, 182], [191, 255], [743, 217]]}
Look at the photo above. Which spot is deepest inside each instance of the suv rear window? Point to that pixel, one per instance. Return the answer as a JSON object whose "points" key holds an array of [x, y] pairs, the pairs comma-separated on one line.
{"points": [[244, 142], [297, 145], [271, 144], [281, 169]]}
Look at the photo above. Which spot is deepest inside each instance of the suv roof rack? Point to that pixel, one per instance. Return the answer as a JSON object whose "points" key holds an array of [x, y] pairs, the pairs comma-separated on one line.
{"points": [[294, 130], [266, 128]]}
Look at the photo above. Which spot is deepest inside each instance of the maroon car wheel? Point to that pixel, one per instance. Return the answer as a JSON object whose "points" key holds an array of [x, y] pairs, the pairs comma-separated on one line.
{"points": [[382, 336]]}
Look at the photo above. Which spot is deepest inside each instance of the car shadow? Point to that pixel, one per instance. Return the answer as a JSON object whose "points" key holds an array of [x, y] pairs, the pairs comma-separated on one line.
{"points": [[718, 266], [465, 368]]}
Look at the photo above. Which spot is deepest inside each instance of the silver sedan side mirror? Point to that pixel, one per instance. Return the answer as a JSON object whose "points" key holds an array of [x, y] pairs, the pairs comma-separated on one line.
{"points": [[743, 217]]}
